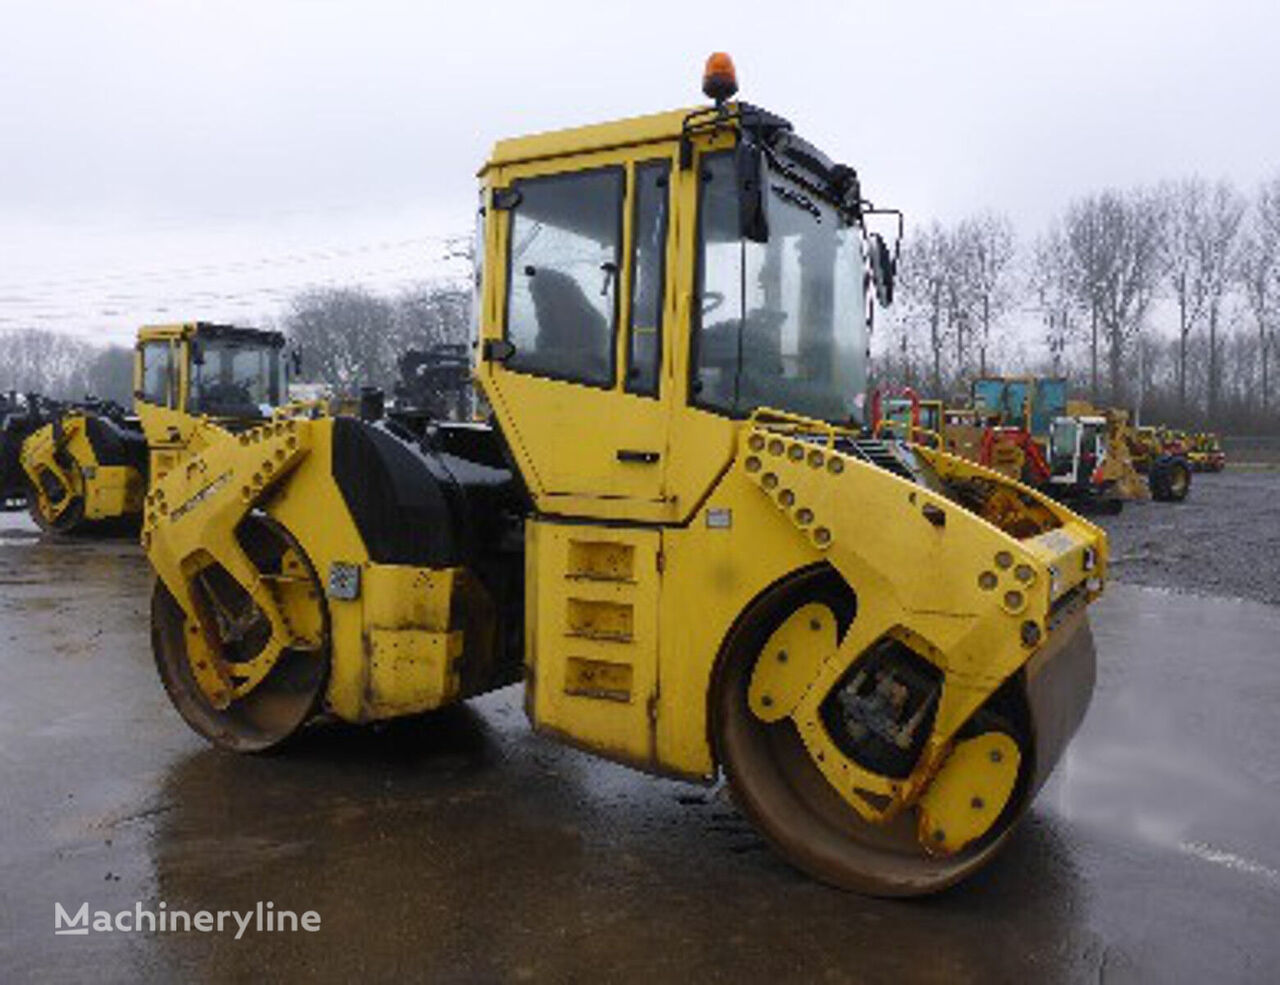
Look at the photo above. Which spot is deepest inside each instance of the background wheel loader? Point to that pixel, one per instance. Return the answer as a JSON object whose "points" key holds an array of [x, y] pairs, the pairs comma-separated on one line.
{"points": [[1204, 452], [1153, 453], [673, 529], [1078, 454], [87, 466]]}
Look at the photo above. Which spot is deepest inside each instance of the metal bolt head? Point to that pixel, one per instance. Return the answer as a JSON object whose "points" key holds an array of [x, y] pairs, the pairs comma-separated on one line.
{"points": [[997, 756], [767, 701], [977, 803], [782, 656]]}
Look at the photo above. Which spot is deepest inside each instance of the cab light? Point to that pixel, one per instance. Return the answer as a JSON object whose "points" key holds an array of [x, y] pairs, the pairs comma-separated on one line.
{"points": [[719, 79]]}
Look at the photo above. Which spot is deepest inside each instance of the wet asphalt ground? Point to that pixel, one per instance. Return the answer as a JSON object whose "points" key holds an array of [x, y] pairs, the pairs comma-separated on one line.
{"points": [[461, 848]]}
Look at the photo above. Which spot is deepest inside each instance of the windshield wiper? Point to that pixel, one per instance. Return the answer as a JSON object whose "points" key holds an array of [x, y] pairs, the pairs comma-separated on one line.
{"points": [[796, 198]]}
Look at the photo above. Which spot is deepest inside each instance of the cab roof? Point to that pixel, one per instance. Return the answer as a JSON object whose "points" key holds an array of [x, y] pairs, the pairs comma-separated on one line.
{"points": [[654, 128], [191, 329], [585, 139]]}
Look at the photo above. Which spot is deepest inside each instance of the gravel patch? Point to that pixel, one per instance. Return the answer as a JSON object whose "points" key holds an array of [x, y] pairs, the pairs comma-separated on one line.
{"points": [[1224, 539]]}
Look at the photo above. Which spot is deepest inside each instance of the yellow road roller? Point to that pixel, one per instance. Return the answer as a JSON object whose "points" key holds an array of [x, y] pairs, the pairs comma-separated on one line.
{"points": [[674, 529], [89, 468]]}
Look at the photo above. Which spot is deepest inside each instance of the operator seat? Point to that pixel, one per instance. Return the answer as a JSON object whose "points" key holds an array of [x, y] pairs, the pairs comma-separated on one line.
{"points": [[573, 337]]}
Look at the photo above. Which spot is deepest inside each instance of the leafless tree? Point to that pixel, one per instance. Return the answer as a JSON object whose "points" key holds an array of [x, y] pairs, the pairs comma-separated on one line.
{"points": [[988, 245], [432, 314], [1185, 262], [957, 259], [344, 335], [1053, 284], [43, 361], [1086, 261], [110, 374], [1258, 272], [1114, 240], [925, 276], [1224, 212], [350, 337], [1103, 278]]}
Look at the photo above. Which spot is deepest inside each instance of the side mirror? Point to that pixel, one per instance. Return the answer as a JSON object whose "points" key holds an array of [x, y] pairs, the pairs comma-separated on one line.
{"points": [[197, 353], [372, 403], [753, 192], [295, 361], [883, 269]]}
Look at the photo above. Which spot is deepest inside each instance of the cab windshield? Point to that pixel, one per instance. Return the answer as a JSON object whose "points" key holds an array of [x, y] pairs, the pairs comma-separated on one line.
{"points": [[1063, 440], [780, 324], [236, 378]]}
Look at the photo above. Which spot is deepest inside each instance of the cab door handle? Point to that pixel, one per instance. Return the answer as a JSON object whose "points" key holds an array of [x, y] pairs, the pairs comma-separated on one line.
{"points": [[638, 457]]}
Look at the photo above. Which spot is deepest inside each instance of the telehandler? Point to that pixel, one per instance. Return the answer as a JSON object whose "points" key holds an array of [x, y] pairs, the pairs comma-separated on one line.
{"points": [[88, 467], [673, 528]]}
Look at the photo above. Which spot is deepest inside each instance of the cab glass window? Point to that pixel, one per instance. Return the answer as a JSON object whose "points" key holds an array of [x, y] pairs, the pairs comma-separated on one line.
{"points": [[648, 275], [779, 324], [157, 374], [477, 268], [562, 275], [230, 378]]}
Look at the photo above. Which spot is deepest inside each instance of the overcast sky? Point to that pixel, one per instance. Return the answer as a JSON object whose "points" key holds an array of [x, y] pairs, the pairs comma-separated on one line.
{"points": [[180, 160]]}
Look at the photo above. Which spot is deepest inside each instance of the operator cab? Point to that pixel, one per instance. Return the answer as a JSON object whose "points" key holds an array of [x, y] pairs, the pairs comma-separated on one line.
{"points": [[206, 370], [1077, 447], [647, 285], [198, 371], [237, 373], [1027, 403]]}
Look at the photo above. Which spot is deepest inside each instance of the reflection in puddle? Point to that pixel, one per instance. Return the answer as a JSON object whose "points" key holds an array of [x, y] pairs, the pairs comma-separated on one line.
{"points": [[495, 854]]}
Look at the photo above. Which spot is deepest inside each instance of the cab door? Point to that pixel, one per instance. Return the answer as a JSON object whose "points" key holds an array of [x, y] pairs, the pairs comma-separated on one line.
{"points": [[157, 399], [575, 305]]}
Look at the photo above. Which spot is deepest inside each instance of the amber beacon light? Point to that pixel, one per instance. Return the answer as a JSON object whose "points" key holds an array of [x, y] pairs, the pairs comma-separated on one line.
{"points": [[719, 79]]}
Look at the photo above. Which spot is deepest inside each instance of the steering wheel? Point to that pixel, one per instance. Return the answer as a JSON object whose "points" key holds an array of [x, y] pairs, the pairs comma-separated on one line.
{"points": [[711, 300], [228, 394]]}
